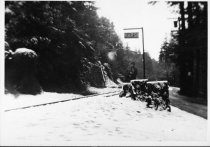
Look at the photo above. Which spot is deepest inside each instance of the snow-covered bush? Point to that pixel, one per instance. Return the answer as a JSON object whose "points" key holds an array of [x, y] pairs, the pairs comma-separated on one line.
{"points": [[20, 71]]}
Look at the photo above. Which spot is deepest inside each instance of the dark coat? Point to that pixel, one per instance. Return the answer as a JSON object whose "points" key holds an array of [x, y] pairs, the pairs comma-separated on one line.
{"points": [[133, 73]]}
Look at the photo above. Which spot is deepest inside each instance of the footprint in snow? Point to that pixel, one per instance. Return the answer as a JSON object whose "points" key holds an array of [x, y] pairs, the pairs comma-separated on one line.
{"points": [[75, 124]]}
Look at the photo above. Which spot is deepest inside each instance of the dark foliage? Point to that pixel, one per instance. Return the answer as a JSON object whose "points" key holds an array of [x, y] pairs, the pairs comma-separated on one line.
{"points": [[50, 29], [69, 39], [189, 48], [20, 71]]}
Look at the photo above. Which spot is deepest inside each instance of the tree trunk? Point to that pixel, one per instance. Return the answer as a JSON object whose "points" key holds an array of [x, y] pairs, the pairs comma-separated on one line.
{"points": [[189, 11], [182, 60]]}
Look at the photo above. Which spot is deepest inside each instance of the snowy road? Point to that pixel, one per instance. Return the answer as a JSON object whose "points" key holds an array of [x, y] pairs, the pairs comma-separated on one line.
{"points": [[99, 120]]}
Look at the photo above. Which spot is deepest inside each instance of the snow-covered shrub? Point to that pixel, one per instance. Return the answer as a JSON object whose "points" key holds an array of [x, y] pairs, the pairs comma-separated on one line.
{"points": [[20, 71]]}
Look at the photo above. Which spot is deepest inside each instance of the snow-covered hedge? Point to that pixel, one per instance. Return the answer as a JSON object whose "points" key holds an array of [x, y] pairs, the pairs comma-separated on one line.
{"points": [[20, 71]]}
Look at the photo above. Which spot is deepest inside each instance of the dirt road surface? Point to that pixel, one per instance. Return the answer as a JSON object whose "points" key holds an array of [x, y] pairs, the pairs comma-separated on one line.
{"points": [[194, 105]]}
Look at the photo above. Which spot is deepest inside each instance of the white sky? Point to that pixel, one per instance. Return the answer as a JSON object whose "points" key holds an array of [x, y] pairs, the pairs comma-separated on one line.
{"points": [[138, 13]]}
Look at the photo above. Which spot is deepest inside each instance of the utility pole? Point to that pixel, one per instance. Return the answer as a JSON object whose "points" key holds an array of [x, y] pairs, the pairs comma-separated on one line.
{"points": [[143, 51], [144, 75]]}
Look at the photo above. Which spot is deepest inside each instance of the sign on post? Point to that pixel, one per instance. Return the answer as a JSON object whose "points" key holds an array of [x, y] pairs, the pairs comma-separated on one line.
{"points": [[131, 35]]}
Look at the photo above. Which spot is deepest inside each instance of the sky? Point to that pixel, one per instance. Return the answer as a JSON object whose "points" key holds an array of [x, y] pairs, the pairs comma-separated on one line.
{"points": [[155, 20]]}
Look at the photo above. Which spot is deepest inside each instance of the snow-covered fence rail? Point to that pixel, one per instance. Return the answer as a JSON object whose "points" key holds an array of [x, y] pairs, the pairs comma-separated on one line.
{"points": [[155, 93]]}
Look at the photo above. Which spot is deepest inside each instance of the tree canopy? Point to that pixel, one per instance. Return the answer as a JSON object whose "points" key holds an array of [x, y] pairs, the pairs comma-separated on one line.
{"points": [[188, 47], [68, 38]]}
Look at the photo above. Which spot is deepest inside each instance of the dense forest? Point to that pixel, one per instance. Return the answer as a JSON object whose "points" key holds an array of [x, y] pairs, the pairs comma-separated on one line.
{"points": [[67, 41], [187, 50]]}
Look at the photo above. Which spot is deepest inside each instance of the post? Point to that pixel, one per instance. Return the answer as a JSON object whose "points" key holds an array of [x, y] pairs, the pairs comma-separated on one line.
{"points": [[143, 48], [143, 52]]}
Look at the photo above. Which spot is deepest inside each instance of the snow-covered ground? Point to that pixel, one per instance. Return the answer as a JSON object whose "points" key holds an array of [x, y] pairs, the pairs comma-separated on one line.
{"points": [[100, 120], [10, 101]]}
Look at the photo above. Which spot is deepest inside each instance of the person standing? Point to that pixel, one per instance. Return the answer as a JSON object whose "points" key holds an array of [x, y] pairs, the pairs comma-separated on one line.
{"points": [[132, 72]]}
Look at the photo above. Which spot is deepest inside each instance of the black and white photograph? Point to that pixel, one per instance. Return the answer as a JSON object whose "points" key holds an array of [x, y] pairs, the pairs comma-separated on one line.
{"points": [[104, 73]]}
